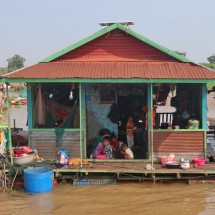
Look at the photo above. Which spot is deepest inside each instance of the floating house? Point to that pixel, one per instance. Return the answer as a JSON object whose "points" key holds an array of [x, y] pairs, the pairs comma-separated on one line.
{"points": [[103, 79]]}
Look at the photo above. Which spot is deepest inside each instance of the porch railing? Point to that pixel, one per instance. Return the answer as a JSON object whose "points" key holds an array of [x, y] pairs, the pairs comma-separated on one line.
{"points": [[164, 118]]}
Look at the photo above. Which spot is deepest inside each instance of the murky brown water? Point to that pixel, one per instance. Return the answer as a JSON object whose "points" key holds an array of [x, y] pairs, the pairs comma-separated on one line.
{"points": [[123, 198]]}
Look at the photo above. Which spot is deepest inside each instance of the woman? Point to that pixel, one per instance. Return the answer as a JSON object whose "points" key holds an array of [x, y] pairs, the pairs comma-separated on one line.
{"points": [[103, 149]]}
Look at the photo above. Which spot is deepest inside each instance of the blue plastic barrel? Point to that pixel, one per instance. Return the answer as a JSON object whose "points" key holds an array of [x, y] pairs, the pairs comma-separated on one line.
{"points": [[38, 180]]}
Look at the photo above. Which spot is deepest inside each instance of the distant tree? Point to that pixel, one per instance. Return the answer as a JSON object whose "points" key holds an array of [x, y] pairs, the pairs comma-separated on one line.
{"points": [[209, 65], [181, 53], [3, 71], [16, 62], [211, 59]]}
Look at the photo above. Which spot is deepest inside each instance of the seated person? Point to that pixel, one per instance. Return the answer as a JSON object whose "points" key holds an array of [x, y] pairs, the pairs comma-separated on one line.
{"points": [[128, 154], [114, 143], [103, 150], [130, 131], [102, 133]]}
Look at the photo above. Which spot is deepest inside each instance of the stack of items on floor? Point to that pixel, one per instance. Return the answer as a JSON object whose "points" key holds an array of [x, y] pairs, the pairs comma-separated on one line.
{"points": [[64, 159], [184, 163], [23, 155]]}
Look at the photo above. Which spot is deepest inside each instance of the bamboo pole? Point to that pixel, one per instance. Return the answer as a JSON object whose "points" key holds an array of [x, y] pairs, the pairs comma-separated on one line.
{"points": [[14, 180]]}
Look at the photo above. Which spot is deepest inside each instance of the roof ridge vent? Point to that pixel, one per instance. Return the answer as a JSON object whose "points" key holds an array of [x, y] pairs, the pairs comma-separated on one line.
{"points": [[112, 23]]}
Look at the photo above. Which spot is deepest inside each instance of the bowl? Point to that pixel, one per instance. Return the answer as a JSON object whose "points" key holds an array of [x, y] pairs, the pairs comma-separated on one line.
{"points": [[185, 160], [24, 159], [185, 165]]}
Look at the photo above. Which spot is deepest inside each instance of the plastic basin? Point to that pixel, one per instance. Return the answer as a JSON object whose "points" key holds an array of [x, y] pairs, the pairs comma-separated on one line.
{"points": [[38, 180], [199, 161]]}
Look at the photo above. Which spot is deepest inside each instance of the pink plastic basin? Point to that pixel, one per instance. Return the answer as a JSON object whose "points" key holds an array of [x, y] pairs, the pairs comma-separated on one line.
{"points": [[199, 161]]}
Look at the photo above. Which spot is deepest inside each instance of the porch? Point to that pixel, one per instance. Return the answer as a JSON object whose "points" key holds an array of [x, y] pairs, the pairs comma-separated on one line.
{"points": [[136, 171]]}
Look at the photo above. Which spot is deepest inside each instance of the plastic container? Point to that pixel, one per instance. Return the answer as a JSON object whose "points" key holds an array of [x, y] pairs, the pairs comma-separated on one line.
{"points": [[38, 180], [165, 159], [24, 159], [185, 165], [193, 124], [199, 161]]}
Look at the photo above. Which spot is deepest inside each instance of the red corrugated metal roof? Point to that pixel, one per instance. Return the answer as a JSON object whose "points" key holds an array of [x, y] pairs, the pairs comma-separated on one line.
{"points": [[116, 45], [124, 70]]}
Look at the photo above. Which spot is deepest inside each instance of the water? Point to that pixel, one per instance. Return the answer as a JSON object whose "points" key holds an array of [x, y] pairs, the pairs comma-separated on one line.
{"points": [[19, 113], [123, 198]]}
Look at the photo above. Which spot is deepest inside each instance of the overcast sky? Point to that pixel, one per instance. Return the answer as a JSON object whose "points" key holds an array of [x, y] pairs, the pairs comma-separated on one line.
{"points": [[36, 29]]}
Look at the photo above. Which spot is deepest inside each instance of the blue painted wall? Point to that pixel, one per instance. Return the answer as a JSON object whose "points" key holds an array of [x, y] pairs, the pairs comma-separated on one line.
{"points": [[97, 113]]}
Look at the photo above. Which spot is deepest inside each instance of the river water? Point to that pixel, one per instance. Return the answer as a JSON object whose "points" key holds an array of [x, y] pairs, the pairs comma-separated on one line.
{"points": [[123, 198]]}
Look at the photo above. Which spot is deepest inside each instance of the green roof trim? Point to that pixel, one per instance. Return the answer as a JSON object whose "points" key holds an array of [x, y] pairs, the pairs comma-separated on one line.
{"points": [[108, 29], [107, 80]]}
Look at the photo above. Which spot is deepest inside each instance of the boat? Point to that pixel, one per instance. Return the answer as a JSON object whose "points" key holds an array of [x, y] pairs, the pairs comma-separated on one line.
{"points": [[18, 101]]}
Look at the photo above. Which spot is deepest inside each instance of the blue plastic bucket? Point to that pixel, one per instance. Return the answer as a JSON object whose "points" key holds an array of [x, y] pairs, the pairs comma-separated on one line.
{"points": [[38, 180]]}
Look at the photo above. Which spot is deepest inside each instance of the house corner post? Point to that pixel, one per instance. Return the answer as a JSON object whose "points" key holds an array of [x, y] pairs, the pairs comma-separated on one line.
{"points": [[8, 118], [81, 133], [150, 121], [204, 115]]}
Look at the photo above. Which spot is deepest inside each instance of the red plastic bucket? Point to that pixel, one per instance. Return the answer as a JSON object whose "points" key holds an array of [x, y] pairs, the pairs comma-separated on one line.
{"points": [[199, 161]]}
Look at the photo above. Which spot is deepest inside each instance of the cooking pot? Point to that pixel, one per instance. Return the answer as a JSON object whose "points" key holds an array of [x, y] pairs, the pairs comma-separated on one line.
{"points": [[172, 165]]}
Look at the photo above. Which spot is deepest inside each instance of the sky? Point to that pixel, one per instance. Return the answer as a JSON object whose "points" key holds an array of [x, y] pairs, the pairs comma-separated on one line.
{"points": [[37, 29]]}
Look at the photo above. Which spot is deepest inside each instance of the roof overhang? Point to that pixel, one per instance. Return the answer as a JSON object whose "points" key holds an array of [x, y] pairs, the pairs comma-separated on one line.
{"points": [[137, 72]]}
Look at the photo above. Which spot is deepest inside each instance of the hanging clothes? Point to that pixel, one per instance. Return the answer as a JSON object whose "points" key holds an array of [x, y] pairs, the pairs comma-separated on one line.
{"points": [[40, 109], [114, 113], [59, 131]]}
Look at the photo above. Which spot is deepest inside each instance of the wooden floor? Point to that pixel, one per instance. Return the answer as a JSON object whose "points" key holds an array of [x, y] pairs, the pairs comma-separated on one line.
{"points": [[139, 169]]}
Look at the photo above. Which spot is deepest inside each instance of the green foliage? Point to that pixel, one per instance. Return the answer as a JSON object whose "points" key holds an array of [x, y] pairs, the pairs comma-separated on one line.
{"points": [[211, 59], [209, 65], [3, 71], [16, 62]]}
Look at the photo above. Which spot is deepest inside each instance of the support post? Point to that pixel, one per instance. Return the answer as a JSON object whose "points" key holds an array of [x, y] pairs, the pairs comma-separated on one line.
{"points": [[204, 116], [80, 108], [8, 119], [29, 111], [83, 111], [150, 121], [29, 106]]}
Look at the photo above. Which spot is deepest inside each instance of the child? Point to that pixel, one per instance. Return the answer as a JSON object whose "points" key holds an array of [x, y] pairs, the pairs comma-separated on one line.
{"points": [[114, 143], [128, 154], [130, 132], [102, 133], [103, 150]]}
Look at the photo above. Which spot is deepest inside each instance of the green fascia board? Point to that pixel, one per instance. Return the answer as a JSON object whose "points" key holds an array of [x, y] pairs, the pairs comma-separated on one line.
{"points": [[108, 80], [108, 29]]}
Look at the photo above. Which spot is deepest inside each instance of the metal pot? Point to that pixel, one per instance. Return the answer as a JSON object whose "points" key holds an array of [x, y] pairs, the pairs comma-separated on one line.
{"points": [[172, 165]]}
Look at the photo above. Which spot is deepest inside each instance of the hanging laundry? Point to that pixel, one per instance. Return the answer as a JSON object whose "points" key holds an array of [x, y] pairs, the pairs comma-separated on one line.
{"points": [[40, 109]]}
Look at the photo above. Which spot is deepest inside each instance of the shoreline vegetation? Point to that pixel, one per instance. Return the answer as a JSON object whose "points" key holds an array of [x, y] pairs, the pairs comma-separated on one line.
{"points": [[211, 66]]}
